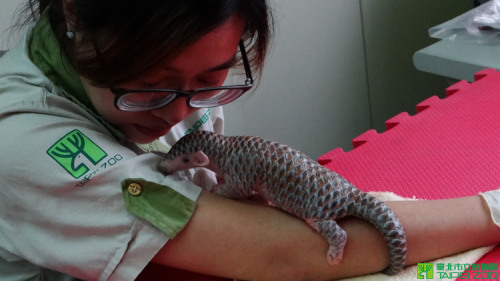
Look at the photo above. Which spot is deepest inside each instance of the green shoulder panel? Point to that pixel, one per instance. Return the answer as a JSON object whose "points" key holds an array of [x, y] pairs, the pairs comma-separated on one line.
{"points": [[162, 206]]}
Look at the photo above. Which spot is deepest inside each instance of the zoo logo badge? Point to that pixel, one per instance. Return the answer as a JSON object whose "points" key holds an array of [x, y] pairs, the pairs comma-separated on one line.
{"points": [[425, 271], [76, 153]]}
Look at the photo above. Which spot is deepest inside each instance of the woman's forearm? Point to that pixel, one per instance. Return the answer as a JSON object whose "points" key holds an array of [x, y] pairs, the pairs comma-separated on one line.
{"points": [[253, 242], [437, 228], [246, 241], [434, 229]]}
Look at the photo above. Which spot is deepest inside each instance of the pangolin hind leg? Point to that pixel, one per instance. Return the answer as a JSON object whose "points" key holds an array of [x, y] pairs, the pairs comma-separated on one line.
{"points": [[336, 237]]}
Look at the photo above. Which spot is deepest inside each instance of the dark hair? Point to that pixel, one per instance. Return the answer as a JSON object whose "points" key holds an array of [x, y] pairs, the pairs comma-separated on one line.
{"points": [[122, 39]]}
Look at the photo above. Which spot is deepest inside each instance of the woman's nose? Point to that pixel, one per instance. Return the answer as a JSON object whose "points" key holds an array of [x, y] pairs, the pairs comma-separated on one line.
{"points": [[174, 112]]}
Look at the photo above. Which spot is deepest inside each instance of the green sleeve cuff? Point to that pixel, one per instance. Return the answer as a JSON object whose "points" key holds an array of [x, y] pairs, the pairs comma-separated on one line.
{"points": [[159, 204]]}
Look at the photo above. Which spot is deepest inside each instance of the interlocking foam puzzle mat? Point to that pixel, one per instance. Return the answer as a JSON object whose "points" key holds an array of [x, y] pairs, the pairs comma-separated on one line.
{"points": [[450, 148]]}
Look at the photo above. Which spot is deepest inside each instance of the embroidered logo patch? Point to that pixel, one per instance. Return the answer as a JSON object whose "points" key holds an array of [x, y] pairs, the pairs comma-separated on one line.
{"points": [[76, 153]]}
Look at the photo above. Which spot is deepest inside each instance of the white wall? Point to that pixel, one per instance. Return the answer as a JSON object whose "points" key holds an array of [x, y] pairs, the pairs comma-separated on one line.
{"points": [[313, 95], [341, 67], [393, 31]]}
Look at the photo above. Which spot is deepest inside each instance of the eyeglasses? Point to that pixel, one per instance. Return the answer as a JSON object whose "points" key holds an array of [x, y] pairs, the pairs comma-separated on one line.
{"points": [[149, 99]]}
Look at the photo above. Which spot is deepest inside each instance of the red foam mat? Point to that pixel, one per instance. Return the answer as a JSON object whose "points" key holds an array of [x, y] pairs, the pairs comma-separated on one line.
{"points": [[450, 148]]}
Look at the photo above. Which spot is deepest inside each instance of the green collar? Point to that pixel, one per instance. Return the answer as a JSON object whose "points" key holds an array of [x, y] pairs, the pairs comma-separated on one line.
{"points": [[46, 54]]}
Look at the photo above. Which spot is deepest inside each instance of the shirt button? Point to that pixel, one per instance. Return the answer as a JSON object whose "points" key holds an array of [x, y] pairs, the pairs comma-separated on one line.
{"points": [[134, 189]]}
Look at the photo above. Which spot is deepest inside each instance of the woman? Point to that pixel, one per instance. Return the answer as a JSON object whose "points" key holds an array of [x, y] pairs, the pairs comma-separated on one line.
{"points": [[93, 87]]}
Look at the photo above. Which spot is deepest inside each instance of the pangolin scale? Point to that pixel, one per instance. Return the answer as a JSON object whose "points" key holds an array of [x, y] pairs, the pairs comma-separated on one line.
{"points": [[291, 181]]}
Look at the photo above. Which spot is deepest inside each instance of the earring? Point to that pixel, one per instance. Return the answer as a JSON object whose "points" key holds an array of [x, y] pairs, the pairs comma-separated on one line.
{"points": [[70, 34]]}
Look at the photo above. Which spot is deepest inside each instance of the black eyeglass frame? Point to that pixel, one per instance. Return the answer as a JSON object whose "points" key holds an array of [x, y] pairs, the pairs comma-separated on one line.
{"points": [[249, 82]]}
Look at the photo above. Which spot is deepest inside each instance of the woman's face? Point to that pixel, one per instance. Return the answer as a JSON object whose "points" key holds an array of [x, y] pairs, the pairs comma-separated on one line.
{"points": [[205, 62]]}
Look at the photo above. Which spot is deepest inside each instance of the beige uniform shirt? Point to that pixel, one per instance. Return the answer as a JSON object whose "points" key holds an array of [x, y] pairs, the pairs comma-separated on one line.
{"points": [[66, 209]]}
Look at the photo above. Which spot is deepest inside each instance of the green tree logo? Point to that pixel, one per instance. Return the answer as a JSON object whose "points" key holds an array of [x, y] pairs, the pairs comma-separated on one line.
{"points": [[425, 271], [76, 153]]}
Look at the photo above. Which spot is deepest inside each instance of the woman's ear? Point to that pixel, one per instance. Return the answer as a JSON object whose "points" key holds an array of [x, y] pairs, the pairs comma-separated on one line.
{"points": [[69, 15]]}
